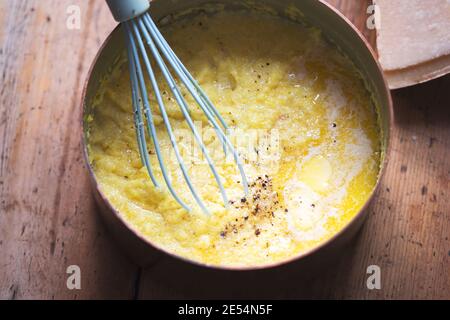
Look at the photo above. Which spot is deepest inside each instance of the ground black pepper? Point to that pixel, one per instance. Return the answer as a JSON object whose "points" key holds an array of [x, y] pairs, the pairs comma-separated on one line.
{"points": [[262, 205]]}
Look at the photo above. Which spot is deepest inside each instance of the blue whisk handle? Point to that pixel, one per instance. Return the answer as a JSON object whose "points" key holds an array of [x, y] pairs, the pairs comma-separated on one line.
{"points": [[124, 10]]}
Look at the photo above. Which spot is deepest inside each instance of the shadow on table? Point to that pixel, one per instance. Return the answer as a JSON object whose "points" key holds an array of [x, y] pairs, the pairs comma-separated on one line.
{"points": [[423, 105]]}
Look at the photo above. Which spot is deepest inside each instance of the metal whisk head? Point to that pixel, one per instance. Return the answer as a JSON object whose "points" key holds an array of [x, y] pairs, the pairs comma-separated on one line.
{"points": [[142, 34]]}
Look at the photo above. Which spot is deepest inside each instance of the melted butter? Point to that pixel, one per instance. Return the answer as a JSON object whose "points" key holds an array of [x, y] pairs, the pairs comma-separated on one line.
{"points": [[316, 173], [264, 74]]}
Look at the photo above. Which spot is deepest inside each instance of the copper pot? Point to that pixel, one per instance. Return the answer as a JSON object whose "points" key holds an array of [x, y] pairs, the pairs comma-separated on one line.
{"points": [[317, 13]]}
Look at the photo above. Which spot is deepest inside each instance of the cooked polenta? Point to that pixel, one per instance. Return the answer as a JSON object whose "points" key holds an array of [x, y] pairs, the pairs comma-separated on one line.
{"points": [[299, 115]]}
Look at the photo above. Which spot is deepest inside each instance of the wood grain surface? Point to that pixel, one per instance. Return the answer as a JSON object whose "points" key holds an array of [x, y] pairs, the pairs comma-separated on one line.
{"points": [[48, 218]]}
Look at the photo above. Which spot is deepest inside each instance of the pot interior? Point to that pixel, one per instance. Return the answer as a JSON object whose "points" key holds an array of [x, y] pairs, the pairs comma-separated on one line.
{"points": [[313, 12]]}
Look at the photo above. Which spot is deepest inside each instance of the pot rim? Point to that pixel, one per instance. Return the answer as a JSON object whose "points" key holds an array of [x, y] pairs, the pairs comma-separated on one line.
{"points": [[298, 257]]}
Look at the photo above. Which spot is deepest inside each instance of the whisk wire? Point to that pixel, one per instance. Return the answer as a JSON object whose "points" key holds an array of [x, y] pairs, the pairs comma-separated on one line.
{"points": [[185, 76], [139, 123], [183, 106], [151, 25], [196, 91], [143, 29], [150, 123]]}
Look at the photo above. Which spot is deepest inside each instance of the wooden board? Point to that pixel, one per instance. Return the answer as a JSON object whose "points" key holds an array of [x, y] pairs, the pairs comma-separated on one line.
{"points": [[48, 219]]}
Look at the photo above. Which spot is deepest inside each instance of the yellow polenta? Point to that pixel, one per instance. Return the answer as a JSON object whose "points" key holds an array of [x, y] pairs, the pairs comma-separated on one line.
{"points": [[300, 115]]}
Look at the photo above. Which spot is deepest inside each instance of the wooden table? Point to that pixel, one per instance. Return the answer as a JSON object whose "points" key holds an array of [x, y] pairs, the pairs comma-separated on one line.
{"points": [[48, 219]]}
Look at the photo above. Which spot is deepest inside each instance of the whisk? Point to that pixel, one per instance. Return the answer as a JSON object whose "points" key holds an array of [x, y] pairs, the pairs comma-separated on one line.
{"points": [[140, 30]]}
